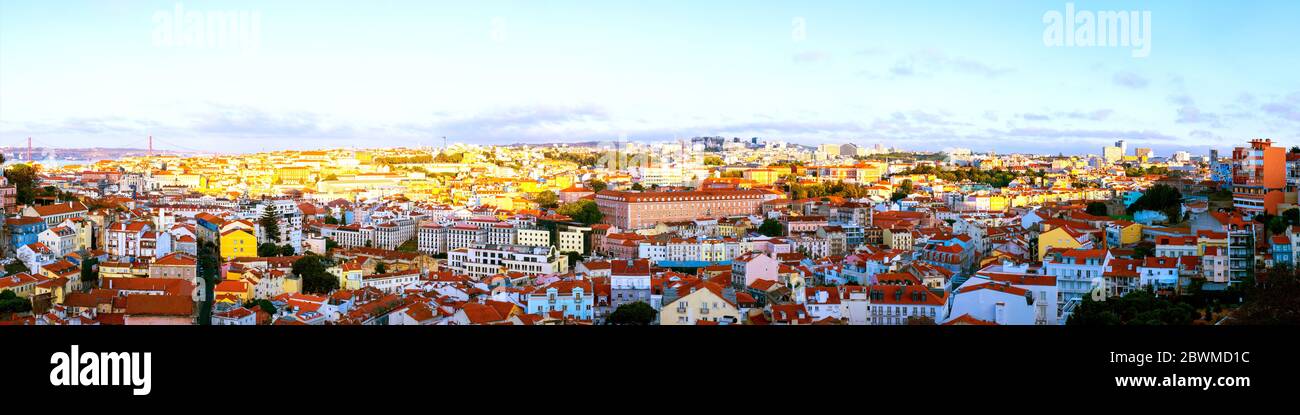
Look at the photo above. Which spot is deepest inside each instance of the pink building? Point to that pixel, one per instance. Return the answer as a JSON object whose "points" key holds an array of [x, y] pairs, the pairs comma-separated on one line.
{"points": [[633, 210], [800, 224], [751, 267]]}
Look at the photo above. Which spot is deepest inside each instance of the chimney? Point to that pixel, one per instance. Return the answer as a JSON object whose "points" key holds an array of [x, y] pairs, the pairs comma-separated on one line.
{"points": [[999, 313]]}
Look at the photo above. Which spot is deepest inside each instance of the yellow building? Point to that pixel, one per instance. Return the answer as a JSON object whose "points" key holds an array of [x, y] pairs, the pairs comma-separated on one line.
{"points": [[349, 274], [238, 243], [898, 238], [237, 289], [1129, 232], [763, 176], [1060, 237], [696, 302], [293, 175], [1206, 239]]}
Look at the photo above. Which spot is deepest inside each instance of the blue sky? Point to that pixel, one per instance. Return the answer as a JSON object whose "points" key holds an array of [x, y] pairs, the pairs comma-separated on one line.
{"points": [[911, 74]]}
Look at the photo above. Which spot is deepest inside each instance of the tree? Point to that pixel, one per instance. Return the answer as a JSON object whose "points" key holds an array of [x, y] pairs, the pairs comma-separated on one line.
{"points": [[771, 228], [264, 304], [638, 187], [23, 178], [12, 303], [584, 211], [1139, 307], [597, 185], [288, 250], [573, 258], [330, 245], [1277, 225], [315, 279], [267, 249], [633, 314], [90, 271], [1292, 216], [381, 268], [713, 161], [1162, 198], [1273, 299], [546, 199], [1097, 209], [906, 187], [330, 220], [1144, 249], [270, 224]]}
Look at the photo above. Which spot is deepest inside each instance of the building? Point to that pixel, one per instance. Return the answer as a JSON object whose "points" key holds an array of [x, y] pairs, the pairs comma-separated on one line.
{"points": [[1258, 177], [56, 213], [996, 302], [391, 283], [61, 240], [175, 265], [238, 243], [1077, 272], [751, 267], [573, 299], [500, 259], [699, 301], [893, 305], [629, 282], [634, 210], [24, 231]]}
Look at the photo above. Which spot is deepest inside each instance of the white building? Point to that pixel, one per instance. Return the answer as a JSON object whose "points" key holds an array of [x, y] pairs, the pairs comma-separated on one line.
{"points": [[499, 259]]}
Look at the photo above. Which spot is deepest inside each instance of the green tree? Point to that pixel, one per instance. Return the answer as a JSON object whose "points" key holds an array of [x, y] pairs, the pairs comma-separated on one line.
{"points": [[381, 268], [597, 185], [546, 199], [1161, 198], [267, 249], [1144, 249], [584, 211], [713, 161], [330, 220], [573, 258], [1273, 298], [12, 303], [1277, 225], [90, 271], [23, 178], [638, 187], [1139, 307], [315, 279], [270, 224], [265, 304], [1097, 209], [633, 314], [287, 250], [1292, 216], [771, 228]]}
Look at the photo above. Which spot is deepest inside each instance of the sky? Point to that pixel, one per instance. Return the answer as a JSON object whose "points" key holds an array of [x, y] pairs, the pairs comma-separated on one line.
{"points": [[917, 75]]}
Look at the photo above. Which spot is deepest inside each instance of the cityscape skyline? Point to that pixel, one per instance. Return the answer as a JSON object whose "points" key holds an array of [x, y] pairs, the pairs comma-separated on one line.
{"points": [[975, 76]]}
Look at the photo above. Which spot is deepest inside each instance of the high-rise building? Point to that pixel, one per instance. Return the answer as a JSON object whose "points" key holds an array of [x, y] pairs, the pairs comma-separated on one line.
{"points": [[1112, 153], [1258, 177], [1123, 147]]}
